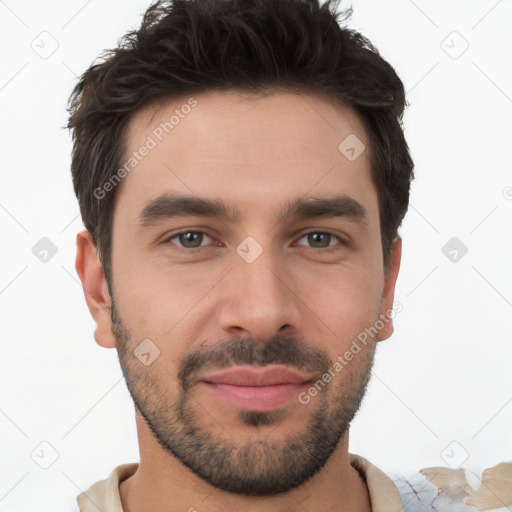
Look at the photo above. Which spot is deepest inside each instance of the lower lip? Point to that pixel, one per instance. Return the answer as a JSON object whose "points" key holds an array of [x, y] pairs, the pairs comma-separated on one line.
{"points": [[256, 398]]}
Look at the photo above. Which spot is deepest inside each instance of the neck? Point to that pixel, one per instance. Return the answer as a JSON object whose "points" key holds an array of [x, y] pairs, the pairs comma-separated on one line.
{"points": [[162, 483]]}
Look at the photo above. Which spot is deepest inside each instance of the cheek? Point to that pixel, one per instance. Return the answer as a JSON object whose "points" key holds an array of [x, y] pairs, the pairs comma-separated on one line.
{"points": [[348, 301], [163, 304]]}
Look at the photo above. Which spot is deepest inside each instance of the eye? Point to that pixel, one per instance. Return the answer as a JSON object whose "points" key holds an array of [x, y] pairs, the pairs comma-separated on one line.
{"points": [[321, 239], [189, 239], [193, 240]]}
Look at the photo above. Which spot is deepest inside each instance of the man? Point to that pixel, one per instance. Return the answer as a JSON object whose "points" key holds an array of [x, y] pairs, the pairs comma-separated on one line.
{"points": [[242, 174]]}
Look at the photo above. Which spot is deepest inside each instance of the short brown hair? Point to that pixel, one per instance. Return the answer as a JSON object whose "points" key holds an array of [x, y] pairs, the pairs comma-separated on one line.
{"points": [[193, 46]]}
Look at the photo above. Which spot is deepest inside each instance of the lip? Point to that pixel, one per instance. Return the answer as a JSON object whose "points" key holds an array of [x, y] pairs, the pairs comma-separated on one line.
{"points": [[256, 389], [257, 376]]}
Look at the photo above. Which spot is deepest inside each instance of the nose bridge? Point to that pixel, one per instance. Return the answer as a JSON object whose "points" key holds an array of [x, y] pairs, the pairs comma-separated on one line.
{"points": [[262, 273], [260, 300]]}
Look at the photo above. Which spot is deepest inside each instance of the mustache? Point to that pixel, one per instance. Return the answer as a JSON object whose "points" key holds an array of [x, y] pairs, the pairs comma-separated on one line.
{"points": [[245, 351]]}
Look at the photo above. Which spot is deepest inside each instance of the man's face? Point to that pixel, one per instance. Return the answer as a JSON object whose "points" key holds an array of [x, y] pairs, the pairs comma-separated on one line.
{"points": [[259, 291]]}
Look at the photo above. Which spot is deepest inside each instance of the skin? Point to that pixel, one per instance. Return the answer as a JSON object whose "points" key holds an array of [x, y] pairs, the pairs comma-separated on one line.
{"points": [[255, 154]]}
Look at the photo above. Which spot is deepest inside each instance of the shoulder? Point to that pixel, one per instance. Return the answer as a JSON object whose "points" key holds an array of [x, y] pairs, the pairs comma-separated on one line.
{"points": [[444, 489], [104, 494]]}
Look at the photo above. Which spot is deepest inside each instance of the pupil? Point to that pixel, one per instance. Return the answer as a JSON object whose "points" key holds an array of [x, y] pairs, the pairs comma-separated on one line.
{"points": [[191, 237], [316, 237]]}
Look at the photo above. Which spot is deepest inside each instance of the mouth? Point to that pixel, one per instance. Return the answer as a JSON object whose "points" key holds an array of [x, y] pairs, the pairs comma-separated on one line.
{"points": [[256, 388]]}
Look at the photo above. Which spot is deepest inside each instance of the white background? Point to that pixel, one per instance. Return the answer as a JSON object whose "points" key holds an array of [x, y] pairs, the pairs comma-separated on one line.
{"points": [[445, 375]]}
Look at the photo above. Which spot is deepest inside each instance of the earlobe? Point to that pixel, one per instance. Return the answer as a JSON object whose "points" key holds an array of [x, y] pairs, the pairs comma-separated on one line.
{"points": [[388, 294], [90, 271]]}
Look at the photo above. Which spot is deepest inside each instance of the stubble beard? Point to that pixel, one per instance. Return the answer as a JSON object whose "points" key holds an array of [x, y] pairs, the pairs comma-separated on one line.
{"points": [[258, 468]]}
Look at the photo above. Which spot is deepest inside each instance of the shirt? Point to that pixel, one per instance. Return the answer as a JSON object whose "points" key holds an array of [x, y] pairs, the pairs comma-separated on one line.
{"points": [[438, 489]]}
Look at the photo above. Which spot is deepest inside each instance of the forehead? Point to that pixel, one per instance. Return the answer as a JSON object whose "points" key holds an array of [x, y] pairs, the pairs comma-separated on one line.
{"points": [[243, 146], [233, 118]]}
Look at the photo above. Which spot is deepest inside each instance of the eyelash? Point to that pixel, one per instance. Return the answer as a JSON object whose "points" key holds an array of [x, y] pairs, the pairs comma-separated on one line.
{"points": [[324, 249]]}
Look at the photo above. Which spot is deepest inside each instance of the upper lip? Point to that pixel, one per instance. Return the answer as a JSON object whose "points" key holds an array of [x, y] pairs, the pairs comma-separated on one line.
{"points": [[256, 376]]}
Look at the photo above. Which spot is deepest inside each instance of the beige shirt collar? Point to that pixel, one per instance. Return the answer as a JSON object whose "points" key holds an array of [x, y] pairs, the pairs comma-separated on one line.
{"points": [[104, 495]]}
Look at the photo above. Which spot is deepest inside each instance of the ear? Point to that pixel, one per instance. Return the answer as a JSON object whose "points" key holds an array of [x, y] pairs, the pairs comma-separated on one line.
{"points": [[388, 293], [90, 271]]}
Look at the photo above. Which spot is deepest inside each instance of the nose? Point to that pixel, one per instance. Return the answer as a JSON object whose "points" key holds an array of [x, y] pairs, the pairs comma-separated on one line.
{"points": [[259, 299]]}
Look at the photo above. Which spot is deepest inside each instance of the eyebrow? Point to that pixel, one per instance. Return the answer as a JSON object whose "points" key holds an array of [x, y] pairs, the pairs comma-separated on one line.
{"points": [[168, 205]]}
